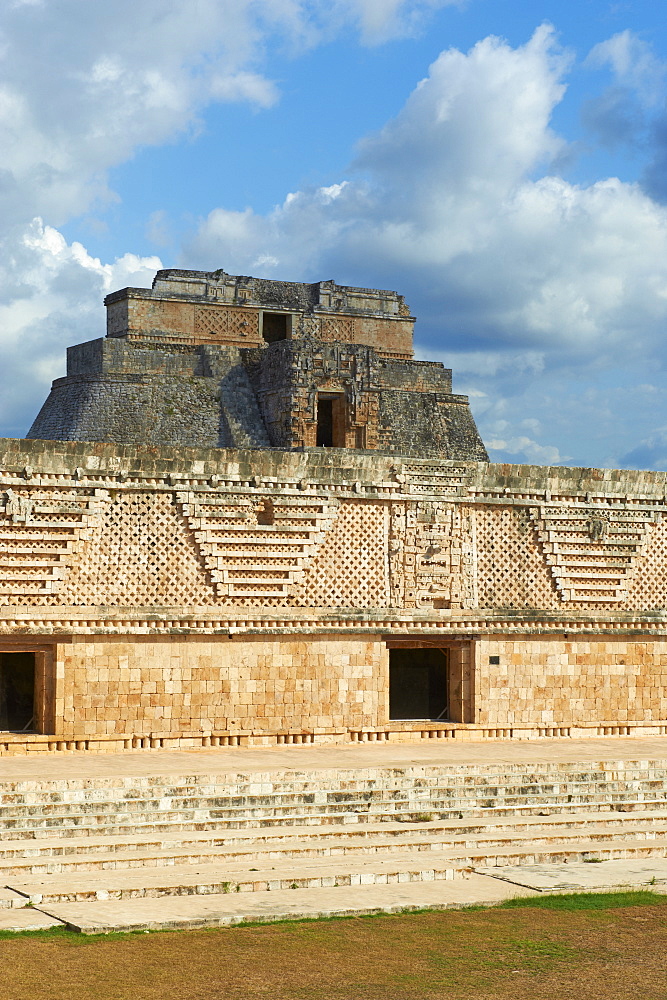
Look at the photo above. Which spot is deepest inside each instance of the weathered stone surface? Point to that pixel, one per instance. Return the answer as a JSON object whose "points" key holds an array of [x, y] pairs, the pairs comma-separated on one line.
{"points": [[254, 504], [211, 360]]}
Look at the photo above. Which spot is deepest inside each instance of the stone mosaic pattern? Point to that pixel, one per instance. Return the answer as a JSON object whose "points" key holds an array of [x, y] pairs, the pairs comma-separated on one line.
{"points": [[414, 537], [350, 568], [180, 595], [143, 553]]}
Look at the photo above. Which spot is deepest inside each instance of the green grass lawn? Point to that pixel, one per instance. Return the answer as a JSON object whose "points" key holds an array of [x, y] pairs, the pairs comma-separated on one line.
{"points": [[606, 946]]}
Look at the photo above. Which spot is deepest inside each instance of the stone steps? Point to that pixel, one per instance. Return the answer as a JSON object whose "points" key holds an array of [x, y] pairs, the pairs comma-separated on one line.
{"points": [[392, 795], [162, 819], [342, 782], [82, 840], [269, 837], [116, 853], [117, 808], [231, 876]]}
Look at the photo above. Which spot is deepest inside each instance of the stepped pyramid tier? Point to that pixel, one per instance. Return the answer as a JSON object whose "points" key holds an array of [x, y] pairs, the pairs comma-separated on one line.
{"points": [[209, 359], [248, 517]]}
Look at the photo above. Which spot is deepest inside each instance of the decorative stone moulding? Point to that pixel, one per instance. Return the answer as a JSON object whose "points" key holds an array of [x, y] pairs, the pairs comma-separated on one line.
{"points": [[21, 744]]}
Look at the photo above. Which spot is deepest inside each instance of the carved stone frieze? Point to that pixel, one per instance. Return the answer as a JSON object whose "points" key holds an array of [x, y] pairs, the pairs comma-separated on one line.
{"points": [[592, 551]]}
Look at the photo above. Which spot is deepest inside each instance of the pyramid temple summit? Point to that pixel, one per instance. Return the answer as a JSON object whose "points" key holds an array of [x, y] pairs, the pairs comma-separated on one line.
{"points": [[248, 516]]}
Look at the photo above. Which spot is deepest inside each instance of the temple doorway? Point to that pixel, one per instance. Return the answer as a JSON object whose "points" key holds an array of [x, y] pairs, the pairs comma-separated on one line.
{"points": [[418, 686], [17, 692], [330, 420]]}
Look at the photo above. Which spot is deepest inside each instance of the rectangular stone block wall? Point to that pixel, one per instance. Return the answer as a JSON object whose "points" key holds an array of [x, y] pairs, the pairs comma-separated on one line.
{"points": [[178, 686], [568, 682]]}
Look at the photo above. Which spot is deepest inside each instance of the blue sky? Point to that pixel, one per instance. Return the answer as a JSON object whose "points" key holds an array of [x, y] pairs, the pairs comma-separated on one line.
{"points": [[502, 164]]}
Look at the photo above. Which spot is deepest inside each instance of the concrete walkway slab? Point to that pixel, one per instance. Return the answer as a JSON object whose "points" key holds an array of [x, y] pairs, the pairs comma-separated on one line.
{"points": [[27, 919], [578, 876], [9, 899], [182, 912], [235, 760]]}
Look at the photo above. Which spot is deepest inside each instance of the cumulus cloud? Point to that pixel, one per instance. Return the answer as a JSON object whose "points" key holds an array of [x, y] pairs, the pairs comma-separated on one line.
{"points": [[455, 197], [457, 202], [75, 101], [83, 86], [52, 297]]}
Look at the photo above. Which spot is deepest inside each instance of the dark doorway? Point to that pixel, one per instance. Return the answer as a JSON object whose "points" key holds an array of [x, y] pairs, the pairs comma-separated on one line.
{"points": [[330, 420], [324, 422], [418, 684], [275, 326], [17, 692]]}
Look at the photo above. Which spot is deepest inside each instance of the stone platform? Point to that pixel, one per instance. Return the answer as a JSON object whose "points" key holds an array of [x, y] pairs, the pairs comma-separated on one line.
{"points": [[207, 837]]}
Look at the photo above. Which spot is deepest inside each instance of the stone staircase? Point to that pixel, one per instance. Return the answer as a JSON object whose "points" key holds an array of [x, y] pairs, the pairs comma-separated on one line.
{"points": [[127, 838]]}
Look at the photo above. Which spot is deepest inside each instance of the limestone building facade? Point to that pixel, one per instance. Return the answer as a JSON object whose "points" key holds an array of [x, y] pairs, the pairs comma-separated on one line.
{"points": [[247, 515]]}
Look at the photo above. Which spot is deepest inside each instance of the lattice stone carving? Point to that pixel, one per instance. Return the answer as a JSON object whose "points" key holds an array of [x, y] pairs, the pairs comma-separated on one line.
{"points": [[506, 560], [41, 534], [431, 478], [591, 551], [143, 554], [647, 587], [224, 323], [350, 569], [256, 547], [337, 328]]}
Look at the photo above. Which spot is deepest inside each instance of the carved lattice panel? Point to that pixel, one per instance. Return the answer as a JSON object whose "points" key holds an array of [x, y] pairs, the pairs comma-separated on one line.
{"points": [[256, 547], [509, 568], [647, 587], [143, 554], [351, 567], [591, 551], [42, 533], [339, 329], [225, 323]]}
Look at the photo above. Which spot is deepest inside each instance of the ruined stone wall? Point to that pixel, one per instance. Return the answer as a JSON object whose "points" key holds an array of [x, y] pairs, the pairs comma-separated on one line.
{"points": [[200, 307], [153, 395], [399, 407], [215, 395]]}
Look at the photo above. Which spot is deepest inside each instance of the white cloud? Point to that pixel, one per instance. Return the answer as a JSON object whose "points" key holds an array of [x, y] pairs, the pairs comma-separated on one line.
{"points": [[52, 298], [451, 204], [531, 451], [82, 85], [633, 63], [456, 203]]}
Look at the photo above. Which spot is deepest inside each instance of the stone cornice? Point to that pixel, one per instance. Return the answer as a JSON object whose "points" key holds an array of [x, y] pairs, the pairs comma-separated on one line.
{"points": [[179, 621]]}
